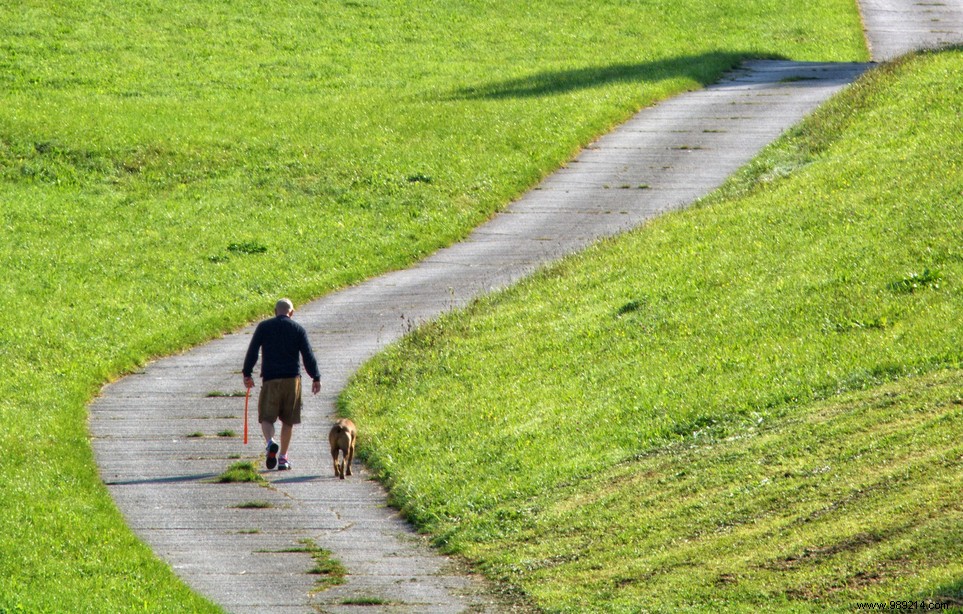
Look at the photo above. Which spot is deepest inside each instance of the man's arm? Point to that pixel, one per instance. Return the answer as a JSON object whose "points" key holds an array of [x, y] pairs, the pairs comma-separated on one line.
{"points": [[310, 363], [250, 359]]}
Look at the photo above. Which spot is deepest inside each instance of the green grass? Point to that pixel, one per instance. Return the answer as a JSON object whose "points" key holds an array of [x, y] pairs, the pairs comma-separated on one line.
{"points": [[259, 504], [853, 500], [329, 570], [634, 426], [366, 601], [216, 394], [168, 169], [241, 471]]}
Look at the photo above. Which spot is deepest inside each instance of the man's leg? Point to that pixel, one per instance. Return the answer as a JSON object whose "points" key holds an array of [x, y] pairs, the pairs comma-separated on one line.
{"points": [[290, 414], [267, 414], [267, 428], [286, 431], [271, 449]]}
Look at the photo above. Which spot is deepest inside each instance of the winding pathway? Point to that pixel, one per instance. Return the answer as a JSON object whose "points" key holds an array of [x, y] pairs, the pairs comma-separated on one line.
{"points": [[252, 560]]}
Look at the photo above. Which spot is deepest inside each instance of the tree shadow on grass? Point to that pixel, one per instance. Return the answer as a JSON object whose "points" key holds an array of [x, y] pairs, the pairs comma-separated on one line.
{"points": [[704, 68]]}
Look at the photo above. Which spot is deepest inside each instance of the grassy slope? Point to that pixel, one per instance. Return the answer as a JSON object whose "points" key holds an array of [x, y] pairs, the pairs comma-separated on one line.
{"points": [[535, 431], [167, 169], [855, 499]]}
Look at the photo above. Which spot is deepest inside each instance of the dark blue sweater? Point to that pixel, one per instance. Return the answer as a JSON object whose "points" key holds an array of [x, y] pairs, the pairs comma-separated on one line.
{"points": [[281, 341]]}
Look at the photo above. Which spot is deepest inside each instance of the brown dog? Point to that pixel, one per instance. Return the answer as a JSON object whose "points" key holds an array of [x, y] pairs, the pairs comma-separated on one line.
{"points": [[342, 437]]}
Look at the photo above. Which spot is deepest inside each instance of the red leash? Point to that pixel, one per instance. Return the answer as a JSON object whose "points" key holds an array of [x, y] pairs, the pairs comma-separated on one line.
{"points": [[247, 396]]}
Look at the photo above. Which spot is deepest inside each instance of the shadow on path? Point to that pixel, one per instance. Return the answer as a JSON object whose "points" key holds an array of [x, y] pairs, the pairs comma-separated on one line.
{"points": [[174, 479], [298, 479]]}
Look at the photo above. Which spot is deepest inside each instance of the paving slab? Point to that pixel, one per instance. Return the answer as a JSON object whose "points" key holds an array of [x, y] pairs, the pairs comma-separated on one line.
{"points": [[155, 433]]}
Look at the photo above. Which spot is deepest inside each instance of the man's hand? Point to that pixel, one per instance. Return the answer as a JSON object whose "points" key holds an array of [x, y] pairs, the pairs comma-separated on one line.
{"points": [[316, 386], [248, 382]]}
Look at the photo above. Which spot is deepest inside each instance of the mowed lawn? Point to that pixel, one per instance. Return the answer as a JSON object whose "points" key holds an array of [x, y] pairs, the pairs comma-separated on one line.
{"points": [[754, 404], [168, 169]]}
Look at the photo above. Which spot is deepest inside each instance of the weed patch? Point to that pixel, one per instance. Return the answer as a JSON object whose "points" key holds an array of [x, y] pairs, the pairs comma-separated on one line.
{"points": [[254, 505], [217, 394], [366, 601], [247, 247], [916, 281], [241, 471], [330, 571]]}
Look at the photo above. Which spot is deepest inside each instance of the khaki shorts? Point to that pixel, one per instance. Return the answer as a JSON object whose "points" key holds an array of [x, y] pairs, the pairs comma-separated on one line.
{"points": [[280, 398]]}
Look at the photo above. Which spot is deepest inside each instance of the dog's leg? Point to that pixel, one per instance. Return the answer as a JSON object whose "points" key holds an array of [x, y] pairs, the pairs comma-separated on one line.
{"points": [[340, 461], [334, 457], [350, 452]]}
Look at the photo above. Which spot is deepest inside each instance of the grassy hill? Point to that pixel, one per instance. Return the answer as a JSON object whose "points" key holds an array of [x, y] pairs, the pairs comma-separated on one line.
{"points": [[168, 169], [755, 402]]}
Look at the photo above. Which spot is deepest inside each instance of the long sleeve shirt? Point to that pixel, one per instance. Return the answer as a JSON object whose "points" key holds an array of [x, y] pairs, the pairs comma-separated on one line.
{"points": [[281, 342]]}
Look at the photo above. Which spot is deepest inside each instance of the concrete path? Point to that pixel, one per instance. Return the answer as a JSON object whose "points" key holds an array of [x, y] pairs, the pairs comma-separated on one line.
{"points": [[143, 426], [896, 27]]}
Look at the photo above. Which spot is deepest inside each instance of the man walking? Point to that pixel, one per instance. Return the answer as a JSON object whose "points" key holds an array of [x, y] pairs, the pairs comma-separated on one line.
{"points": [[280, 341]]}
